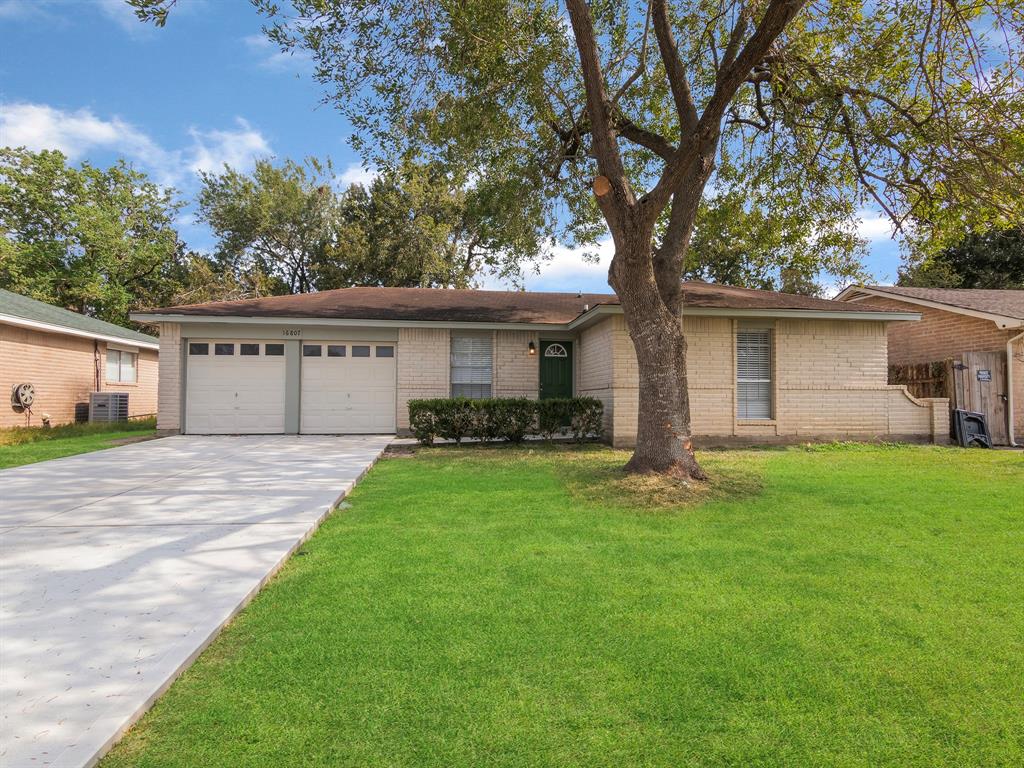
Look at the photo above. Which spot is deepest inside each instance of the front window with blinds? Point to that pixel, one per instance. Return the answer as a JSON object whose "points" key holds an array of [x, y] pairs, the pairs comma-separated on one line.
{"points": [[754, 373], [471, 366]]}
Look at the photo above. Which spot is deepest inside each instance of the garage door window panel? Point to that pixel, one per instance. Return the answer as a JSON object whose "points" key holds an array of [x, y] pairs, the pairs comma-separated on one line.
{"points": [[249, 349], [274, 350], [336, 350], [312, 350], [385, 351], [471, 366], [224, 349], [360, 351], [199, 349]]}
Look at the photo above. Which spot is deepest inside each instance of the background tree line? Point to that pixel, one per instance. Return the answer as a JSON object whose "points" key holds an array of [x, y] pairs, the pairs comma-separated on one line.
{"points": [[104, 242]]}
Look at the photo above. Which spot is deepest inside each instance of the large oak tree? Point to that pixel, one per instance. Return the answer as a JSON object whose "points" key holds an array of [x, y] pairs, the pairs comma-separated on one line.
{"points": [[619, 115]]}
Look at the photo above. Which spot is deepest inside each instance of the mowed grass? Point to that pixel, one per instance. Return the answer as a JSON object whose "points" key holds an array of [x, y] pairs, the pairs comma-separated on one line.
{"points": [[837, 606], [27, 445]]}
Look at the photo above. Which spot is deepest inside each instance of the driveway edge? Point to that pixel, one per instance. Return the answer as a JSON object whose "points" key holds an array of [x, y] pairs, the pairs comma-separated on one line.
{"points": [[246, 599]]}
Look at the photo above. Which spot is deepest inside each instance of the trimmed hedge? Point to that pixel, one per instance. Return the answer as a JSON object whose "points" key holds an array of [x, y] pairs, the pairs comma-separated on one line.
{"points": [[505, 418]]}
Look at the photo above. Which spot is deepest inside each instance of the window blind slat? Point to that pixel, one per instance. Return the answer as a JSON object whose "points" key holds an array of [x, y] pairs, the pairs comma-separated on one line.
{"points": [[754, 374], [471, 366]]}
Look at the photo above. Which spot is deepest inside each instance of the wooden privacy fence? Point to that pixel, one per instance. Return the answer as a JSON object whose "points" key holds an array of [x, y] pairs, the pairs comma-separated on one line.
{"points": [[974, 381], [924, 379]]}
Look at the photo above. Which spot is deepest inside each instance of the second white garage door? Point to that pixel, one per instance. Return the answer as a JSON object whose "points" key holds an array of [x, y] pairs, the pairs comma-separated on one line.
{"points": [[347, 387]]}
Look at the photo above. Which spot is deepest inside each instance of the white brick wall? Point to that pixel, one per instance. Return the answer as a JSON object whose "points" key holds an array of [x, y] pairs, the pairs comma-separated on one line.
{"points": [[169, 392], [422, 358], [830, 381], [516, 371]]}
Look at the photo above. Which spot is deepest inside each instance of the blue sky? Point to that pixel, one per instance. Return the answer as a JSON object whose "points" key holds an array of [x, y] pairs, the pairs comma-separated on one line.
{"points": [[85, 77]]}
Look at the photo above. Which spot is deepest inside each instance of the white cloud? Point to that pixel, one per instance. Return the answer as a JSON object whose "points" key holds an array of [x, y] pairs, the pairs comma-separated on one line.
{"points": [[355, 174], [872, 226], [40, 126], [80, 132], [18, 9], [123, 15], [269, 56], [569, 270], [212, 150]]}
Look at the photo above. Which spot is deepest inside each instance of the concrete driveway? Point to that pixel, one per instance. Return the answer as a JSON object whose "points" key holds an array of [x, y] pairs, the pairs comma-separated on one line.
{"points": [[118, 567]]}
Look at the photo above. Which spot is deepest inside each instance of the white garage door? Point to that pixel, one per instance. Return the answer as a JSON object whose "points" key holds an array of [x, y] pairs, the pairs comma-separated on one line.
{"points": [[234, 387], [347, 387]]}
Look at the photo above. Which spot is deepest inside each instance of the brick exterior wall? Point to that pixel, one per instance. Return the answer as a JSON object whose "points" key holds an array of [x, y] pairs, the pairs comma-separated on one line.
{"points": [[594, 368], [939, 334], [516, 371], [423, 367], [169, 392], [63, 370], [829, 382], [829, 379]]}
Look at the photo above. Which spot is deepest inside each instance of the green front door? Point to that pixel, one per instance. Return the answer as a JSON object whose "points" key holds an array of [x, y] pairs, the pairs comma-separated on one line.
{"points": [[555, 369]]}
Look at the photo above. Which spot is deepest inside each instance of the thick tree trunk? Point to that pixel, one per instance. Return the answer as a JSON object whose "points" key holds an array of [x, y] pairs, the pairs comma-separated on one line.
{"points": [[663, 440]]}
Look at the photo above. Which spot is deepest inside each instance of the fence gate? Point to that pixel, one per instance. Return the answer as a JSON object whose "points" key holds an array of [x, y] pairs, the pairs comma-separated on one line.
{"points": [[979, 384], [974, 381]]}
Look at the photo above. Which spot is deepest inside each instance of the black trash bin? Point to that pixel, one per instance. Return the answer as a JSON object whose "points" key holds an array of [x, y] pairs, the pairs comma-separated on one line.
{"points": [[971, 428]]}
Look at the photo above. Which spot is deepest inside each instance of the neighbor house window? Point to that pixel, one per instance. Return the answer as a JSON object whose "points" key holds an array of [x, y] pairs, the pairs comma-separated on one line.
{"points": [[471, 366], [754, 373], [122, 367]]}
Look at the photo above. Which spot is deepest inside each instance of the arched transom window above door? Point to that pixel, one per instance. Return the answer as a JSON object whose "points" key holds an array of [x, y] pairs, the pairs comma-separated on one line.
{"points": [[555, 350]]}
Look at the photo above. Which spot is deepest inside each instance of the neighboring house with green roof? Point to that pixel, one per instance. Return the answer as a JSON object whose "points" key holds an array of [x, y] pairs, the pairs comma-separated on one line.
{"points": [[66, 356]]}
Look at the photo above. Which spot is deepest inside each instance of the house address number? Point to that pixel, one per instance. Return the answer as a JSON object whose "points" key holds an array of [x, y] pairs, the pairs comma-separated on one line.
{"points": [[291, 332]]}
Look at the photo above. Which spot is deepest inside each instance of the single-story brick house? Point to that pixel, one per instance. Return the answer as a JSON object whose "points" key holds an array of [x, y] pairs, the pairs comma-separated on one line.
{"points": [[764, 366], [955, 322], [65, 356]]}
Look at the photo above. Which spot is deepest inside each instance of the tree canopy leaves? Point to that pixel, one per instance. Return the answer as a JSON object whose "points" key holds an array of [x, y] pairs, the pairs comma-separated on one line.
{"points": [[992, 259], [97, 241]]}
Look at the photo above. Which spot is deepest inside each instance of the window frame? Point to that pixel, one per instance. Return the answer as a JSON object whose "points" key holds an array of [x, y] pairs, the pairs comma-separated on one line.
{"points": [[122, 356], [474, 388], [763, 408]]}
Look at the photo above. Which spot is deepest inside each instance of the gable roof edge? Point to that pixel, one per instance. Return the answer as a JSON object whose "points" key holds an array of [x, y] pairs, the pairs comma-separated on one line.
{"points": [[855, 293], [37, 325]]}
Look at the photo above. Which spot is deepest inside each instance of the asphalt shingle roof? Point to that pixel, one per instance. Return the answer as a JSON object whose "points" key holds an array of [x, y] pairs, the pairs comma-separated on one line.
{"points": [[25, 308], [1007, 303], [434, 304]]}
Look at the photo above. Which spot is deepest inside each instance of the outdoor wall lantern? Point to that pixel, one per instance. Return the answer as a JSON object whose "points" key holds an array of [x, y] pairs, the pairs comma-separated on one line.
{"points": [[533, 348]]}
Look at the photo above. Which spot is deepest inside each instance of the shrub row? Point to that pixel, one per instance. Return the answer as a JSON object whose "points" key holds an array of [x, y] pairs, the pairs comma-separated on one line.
{"points": [[505, 418]]}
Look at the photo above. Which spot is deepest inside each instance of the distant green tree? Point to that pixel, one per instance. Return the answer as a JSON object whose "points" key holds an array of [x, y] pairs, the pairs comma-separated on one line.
{"points": [[285, 229], [274, 225], [416, 226], [777, 250], [97, 241], [992, 259]]}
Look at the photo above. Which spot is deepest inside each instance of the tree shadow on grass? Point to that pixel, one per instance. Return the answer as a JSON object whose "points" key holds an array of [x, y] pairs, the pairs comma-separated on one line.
{"points": [[600, 479], [594, 474]]}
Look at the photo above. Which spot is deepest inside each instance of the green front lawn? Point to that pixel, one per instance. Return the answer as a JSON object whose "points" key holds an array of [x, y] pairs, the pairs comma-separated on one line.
{"points": [[854, 606], [27, 445]]}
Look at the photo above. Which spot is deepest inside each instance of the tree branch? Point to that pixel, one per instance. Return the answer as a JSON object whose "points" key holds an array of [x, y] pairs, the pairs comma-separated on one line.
{"points": [[606, 150], [674, 68]]}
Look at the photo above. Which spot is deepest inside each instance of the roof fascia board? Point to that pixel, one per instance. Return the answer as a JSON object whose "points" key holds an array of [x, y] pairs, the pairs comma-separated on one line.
{"points": [[339, 321], [583, 320], [35, 325], [850, 294]]}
